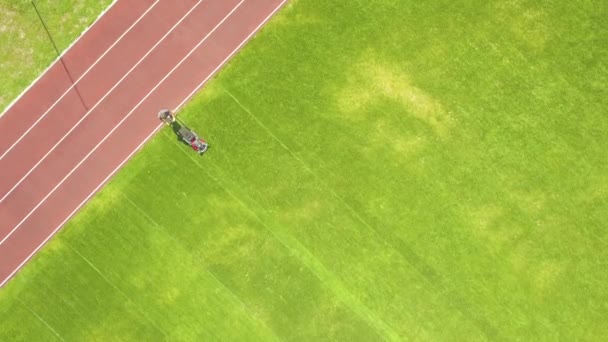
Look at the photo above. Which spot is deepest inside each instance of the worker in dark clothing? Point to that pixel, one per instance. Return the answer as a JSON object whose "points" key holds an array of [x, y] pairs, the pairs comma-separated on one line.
{"points": [[166, 116]]}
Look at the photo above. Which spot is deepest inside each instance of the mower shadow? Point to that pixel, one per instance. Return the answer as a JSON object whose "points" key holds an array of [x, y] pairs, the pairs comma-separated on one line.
{"points": [[175, 127]]}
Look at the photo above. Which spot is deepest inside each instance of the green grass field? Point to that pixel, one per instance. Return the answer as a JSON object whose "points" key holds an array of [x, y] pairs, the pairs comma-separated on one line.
{"points": [[378, 170], [25, 49]]}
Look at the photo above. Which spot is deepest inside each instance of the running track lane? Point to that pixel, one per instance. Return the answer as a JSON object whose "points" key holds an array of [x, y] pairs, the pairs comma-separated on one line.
{"points": [[54, 81], [65, 149], [122, 122], [65, 112]]}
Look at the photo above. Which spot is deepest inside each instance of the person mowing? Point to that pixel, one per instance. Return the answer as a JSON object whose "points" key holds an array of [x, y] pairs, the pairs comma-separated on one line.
{"points": [[166, 116]]}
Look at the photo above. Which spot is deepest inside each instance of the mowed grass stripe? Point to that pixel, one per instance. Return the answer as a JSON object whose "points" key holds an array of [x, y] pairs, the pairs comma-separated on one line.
{"points": [[313, 265], [449, 180], [283, 242], [338, 235], [198, 257], [391, 170], [77, 296], [174, 288], [30, 319], [296, 283], [427, 274], [142, 265]]}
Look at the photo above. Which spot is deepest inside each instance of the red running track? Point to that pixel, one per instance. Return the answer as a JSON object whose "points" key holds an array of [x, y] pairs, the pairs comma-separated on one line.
{"points": [[60, 143]]}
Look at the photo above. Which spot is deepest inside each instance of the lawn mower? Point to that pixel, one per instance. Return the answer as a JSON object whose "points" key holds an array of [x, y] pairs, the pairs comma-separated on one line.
{"points": [[186, 134]]}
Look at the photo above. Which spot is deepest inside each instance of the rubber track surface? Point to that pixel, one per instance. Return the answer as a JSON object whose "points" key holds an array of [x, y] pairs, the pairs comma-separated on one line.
{"points": [[61, 142]]}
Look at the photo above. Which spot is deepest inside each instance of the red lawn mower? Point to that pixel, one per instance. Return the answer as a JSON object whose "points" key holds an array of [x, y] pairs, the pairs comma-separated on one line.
{"points": [[183, 132], [188, 136]]}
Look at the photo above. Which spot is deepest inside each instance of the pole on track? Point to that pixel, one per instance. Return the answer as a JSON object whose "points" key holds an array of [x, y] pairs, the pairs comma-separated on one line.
{"points": [[48, 33]]}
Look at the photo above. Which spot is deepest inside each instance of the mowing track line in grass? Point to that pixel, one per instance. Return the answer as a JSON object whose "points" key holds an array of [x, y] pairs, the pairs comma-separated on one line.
{"points": [[39, 318], [206, 269], [438, 286], [254, 31], [116, 288], [311, 262]]}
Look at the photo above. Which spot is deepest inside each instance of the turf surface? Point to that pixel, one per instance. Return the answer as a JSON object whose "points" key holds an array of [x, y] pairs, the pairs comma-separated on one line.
{"points": [[377, 170], [25, 49]]}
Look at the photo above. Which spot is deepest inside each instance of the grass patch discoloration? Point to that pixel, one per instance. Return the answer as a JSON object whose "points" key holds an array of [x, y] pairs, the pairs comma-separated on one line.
{"points": [[380, 170]]}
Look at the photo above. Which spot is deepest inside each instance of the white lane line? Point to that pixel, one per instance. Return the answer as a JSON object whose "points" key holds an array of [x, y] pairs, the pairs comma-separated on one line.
{"points": [[57, 59], [120, 123], [97, 104], [121, 164], [78, 80]]}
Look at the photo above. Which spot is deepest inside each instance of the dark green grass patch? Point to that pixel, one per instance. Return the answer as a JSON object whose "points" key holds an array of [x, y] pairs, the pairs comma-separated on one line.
{"points": [[377, 170]]}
